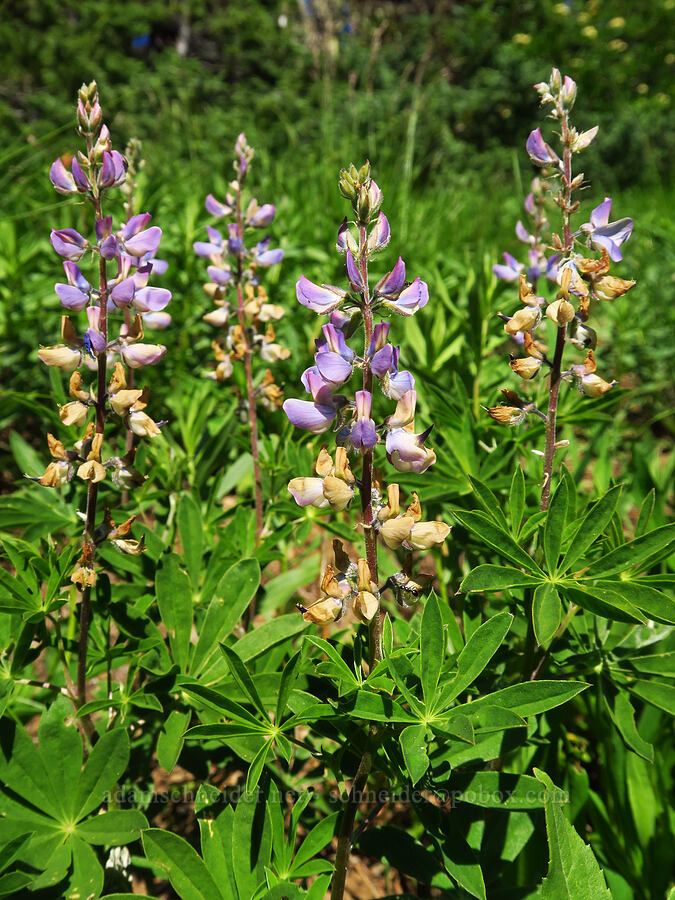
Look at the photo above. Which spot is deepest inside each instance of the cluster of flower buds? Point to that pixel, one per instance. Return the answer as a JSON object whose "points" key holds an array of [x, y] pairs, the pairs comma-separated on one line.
{"points": [[357, 429], [235, 267], [581, 276], [130, 252]]}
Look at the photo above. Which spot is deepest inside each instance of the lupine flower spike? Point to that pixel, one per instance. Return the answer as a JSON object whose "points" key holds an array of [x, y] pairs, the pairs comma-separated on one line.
{"points": [[579, 265], [358, 427], [247, 326], [125, 261]]}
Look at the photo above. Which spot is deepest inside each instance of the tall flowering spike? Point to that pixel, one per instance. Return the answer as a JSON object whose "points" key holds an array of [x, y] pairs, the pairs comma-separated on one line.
{"points": [[580, 279], [361, 426], [99, 330], [237, 257]]}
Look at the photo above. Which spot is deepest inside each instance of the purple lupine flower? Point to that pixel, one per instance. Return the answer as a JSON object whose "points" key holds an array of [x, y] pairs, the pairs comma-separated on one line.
{"points": [[81, 180], [510, 271], [68, 243], [93, 337], [393, 282], [380, 234], [320, 299], [363, 435], [212, 247], [345, 239], [138, 240], [123, 292], [332, 367], [539, 151], [315, 415], [262, 217], [216, 208], [412, 298], [151, 299], [113, 170], [396, 383], [234, 243], [155, 321], [220, 274], [353, 274], [137, 355], [523, 234], [71, 297], [62, 180], [603, 234], [334, 340]]}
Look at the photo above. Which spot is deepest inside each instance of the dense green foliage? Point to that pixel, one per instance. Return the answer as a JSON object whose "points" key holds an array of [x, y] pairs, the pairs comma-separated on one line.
{"points": [[438, 96]]}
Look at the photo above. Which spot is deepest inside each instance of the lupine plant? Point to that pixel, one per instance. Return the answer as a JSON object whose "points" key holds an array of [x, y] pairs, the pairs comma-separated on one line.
{"points": [[124, 261], [349, 583], [247, 325], [580, 279]]}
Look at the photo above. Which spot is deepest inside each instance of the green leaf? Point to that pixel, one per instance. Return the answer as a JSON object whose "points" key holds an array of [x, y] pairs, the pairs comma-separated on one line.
{"points": [[61, 749], [546, 610], [496, 578], [378, 708], [413, 741], [477, 653], [555, 526], [591, 527], [222, 703], [256, 767], [87, 877], [623, 716], [655, 604], [241, 676], [527, 699], [602, 602], [494, 537], [171, 737], [660, 695], [645, 514], [641, 798], [104, 767], [191, 530], [655, 663], [573, 871], [489, 502], [180, 863], [318, 838], [251, 842], [234, 593], [517, 500], [174, 600], [634, 553], [432, 642], [116, 827], [289, 676], [496, 790], [279, 629], [342, 670]]}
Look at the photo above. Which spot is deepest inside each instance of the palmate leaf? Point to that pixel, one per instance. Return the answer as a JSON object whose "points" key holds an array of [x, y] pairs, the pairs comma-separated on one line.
{"points": [[497, 538], [573, 873], [477, 653], [45, 790], [181, 864]]}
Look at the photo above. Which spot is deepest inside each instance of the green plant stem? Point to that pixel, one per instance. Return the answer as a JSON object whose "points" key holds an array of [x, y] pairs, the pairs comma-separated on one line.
{"points": [[347, 826], [250, 392]]}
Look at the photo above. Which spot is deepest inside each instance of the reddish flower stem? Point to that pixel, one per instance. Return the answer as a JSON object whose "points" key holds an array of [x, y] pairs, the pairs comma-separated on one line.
{"points": [[88, 545]]}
